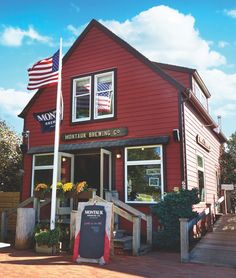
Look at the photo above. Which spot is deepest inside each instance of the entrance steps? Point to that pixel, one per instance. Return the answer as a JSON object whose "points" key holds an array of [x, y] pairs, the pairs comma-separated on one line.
{"points": [[123, 244]]}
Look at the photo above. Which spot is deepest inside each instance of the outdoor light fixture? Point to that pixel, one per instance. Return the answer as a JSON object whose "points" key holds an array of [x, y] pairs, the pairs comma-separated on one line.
{"points": [[176, 135], [118, 155]]}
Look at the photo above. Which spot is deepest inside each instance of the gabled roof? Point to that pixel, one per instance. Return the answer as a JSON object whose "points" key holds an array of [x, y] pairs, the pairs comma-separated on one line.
{"points": [[191, 71], [129, 48], [156, 67]]}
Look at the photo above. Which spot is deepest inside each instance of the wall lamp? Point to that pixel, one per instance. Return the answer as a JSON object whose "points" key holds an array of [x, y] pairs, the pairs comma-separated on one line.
{"points": [[118, 155]]}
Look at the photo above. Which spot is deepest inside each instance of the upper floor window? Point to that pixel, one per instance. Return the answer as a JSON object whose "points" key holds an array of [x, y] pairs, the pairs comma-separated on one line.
{"points": [[199, 94], [93, 97]]}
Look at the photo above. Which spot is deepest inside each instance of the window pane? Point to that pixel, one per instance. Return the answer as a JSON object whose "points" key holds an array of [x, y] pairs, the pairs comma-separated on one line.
{"points": [[104, 95], [83, 87], [200, 161], [144, 154], [201, 185], [144, 183], [43, 160], [82, 107], [43, 176]]}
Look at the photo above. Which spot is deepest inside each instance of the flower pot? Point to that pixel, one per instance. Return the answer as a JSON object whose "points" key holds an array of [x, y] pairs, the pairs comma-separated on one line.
{"points": [[45, 249], [85, 195], [42, 195]]}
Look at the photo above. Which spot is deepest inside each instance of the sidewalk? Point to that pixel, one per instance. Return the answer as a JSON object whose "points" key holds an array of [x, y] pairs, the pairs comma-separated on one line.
{"points": [[218, 247], [28, 264]]}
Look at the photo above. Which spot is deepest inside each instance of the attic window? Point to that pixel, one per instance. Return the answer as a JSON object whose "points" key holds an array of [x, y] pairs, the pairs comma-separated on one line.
{"points": [[199, 94]]}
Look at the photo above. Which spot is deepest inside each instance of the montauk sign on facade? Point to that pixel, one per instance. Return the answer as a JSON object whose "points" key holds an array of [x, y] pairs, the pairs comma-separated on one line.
{"points": [[46, 119]]}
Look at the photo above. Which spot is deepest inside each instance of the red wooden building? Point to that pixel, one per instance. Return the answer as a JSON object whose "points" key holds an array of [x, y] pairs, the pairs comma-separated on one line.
{"points": [[132, 125]]}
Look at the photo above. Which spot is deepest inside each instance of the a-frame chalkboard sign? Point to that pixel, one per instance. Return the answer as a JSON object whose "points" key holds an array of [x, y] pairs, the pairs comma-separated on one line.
{"points": [[93, 232]]}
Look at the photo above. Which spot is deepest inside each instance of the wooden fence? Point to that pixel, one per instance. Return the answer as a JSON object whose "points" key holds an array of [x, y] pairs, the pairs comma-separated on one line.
{"points": [[9, 200]]}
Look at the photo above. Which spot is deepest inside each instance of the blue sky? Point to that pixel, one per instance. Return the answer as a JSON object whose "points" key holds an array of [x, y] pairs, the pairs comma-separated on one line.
{"points": [[198, 34]]}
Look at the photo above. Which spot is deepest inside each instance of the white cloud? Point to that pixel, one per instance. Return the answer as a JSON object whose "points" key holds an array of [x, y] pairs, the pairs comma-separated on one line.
{"points": [[14, 36], [13, 101], [75, 31], [222, 44], [166, 35], [75, 7], [221, 85], [231, 13], [226, 110]]}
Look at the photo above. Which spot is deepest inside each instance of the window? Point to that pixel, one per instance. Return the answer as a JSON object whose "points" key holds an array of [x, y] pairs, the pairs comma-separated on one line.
{"points": [[199, 94], [143, 174], [42, 166], [82, 99], [201, 179], [42, 170], [93, 97]]}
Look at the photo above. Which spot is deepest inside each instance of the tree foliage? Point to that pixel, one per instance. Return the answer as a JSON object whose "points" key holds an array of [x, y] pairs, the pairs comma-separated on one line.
{"points": [[10, 159], [228, 161]]}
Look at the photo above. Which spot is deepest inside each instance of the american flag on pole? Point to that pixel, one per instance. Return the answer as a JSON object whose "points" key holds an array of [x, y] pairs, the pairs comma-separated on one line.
{"points": [[44, 72], [104, 96]]}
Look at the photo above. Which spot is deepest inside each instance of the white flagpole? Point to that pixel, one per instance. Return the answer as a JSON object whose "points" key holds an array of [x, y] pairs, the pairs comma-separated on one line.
{"points": [[56, 144]]}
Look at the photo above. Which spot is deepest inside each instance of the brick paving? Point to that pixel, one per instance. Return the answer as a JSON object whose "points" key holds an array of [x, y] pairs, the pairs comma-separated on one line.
{"points": [[28, 264]]}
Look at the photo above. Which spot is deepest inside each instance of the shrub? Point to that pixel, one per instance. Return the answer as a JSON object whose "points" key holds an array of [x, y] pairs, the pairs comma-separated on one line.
{"points": [[45, 236], [175, 205]]}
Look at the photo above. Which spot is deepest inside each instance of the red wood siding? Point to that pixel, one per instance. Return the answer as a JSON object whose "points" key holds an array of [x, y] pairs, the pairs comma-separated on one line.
{"points": [[211, 158], [146, 103], [180, 76]]}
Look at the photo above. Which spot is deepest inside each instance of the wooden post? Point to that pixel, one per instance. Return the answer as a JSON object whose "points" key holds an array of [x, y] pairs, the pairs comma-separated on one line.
{"points": [[36, 206], [226, 210], [136, 235], [184, 240], [149, 229], [214, 205], [25, 224], [73, 216], [4, 220], [209, 219]]}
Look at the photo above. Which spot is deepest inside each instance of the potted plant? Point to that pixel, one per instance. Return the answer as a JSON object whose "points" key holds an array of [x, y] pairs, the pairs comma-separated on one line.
{"points": [[47, 241], [42, 191]]}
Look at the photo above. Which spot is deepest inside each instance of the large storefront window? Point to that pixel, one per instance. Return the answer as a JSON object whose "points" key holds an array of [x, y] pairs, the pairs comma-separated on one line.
{"points": [[143, 174]]}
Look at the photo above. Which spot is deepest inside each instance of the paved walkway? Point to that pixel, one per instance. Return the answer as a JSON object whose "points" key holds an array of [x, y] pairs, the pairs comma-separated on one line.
{"points": [[218, 247], [28, 264]]}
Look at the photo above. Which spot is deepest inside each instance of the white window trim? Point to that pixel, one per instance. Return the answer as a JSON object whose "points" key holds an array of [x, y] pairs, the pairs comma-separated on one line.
{"points": [[41, 167], [96, 76], [50, 167], [143, 162], [74, 98], [199, 168]]}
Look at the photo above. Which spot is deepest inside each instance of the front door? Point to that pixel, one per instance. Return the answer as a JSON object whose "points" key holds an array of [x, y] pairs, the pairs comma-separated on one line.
{"points": [[105, 171]]}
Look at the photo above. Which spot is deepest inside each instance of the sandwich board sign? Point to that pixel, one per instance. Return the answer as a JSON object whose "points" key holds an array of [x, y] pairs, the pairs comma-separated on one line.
{"points": [[93, 232]]}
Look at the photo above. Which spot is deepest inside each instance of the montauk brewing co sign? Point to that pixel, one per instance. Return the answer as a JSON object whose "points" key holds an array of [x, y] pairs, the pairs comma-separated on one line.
{"points": [[46, 119]]}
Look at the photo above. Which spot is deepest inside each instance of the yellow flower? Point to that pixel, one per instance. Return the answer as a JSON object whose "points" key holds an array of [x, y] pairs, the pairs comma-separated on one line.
{"points": [[41, 186], [81, 186], [67, 186]]}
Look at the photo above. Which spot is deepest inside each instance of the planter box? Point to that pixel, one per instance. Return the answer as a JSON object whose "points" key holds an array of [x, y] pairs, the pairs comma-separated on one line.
{"points": [[44, 249]]}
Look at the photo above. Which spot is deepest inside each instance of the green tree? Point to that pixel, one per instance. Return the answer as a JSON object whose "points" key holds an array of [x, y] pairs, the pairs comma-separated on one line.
{"points": [[10, 159], [228, 161]]}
